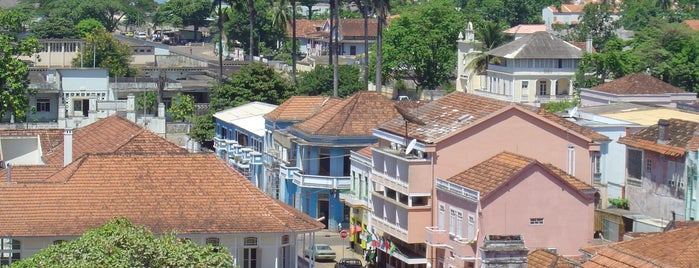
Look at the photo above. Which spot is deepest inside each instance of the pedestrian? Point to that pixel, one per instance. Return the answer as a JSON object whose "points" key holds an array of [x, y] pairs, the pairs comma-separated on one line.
{"points": [[190, 51]]}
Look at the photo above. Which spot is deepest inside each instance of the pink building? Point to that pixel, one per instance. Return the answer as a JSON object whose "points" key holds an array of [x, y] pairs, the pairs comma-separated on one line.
{"points": [[510, 194], [445, 137]]}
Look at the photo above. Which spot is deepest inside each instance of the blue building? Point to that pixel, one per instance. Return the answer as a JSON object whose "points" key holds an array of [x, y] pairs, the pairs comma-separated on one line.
{"points": [[309, 140], [239, 139]]}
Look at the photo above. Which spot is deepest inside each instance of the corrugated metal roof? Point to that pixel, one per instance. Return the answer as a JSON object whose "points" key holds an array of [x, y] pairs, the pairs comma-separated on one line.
{"points": [[244, 111]]}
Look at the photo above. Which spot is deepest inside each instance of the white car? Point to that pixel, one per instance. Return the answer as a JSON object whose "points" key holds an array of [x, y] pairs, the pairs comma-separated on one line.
{"points": [[141, 35], [320, 252]]}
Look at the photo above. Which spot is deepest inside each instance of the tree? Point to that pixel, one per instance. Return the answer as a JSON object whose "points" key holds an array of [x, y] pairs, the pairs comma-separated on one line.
{"points": [[281, 18], [104, 51], [262, 37], [146, 101], [421, 45], [309, 6], [382, 8], [54, 28], [490, 35], [319, 81], [614, 62], [203, 128], [596, 23], [88, 26], [253, 82], [182, 107], [14, 74], [119, 243], [108, 12], [184, 13]]}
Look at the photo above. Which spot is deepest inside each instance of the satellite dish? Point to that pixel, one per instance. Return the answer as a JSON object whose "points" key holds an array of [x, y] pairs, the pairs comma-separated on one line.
{"points": [[573, 112], [411, 146]]}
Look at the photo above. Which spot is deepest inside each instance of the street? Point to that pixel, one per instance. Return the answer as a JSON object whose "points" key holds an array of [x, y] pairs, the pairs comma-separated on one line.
{"points": [[332, 238]]}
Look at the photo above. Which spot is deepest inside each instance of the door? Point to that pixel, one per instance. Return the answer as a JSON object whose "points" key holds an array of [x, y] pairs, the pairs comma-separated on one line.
{"points": [[86, 106], [324, 207]]}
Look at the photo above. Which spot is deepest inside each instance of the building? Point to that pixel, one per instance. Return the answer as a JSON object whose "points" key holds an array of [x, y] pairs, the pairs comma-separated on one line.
{"points": [[568, 15], [120, 169], [358, 199], [321, 144], [468, 79], [536, 68], [524, 29], [510, 194], [239, 140], [447, 136], [314, 36], [636, 88], [660, 159]]}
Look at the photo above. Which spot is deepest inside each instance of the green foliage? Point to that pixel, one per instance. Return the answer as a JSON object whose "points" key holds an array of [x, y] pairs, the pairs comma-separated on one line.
{"points": [[614, 62], [88, 26], [14, 79], [203, 128], [253, 82], [54, 28], [182, 107], [119, 243], [560, 106], [108, 12], [265, 33], [184, 13], [421, 45], [319, 81], [147, 101], [107, 52], [621, 203], [309, 6], [596, 23]]}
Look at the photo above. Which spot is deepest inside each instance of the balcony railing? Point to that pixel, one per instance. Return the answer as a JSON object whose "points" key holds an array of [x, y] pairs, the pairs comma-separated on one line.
{"points": [[353, 199], [286, 172], [436, 237], [393, 229], [388, 181], [552, 98], [322, 182]]}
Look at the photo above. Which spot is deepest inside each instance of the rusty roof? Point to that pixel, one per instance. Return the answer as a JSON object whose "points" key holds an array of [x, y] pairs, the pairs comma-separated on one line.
{"points": [[187, 193], [541, 258], [299, 108], [458, 111], [675, 248], [637, 84], [490, 174], [356, 115], [679, 135], [112, 134]]}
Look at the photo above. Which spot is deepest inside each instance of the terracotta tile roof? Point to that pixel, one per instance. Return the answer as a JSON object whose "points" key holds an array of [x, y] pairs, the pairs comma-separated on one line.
{"points": [[189, 193], [490, 174], [305, 27], [113, 134], [583, 46], [567, 8], [676, 248], [459, 110], [356, 115], [354, 28], [679, 134], [542, 258], [299, 108], [29, 173], [693, 24], [366, 151], [49, 138], [633, 84]]}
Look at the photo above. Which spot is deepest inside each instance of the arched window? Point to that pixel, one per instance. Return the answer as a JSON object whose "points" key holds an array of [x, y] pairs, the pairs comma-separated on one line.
{"points": [[9, 251], [250, 252]]}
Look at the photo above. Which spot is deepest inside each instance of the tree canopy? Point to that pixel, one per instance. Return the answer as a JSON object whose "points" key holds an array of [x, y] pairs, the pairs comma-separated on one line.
{"points": [[104, 51], [107, 12], [253, 82], [14, 74], [319, 81], [421, 44], [184, 13], [54, 28], [182, 107], [119, 243]]}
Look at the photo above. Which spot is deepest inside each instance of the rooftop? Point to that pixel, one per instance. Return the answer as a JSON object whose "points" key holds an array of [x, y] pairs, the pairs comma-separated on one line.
{"points": [[299, 108], [538, 45], [637, 84]]}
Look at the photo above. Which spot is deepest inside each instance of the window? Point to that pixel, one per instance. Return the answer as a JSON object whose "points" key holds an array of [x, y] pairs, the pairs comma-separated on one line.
{"points": [[452, 221], [250, 252], [471, 227], [536, 221], [440, 220], [455, 222], [9, 251], [43, 105], [214, 241], [525, 84], [459, 224], [634, 160], [542, 88], [649, 169], [597, 166], [58, 242]]}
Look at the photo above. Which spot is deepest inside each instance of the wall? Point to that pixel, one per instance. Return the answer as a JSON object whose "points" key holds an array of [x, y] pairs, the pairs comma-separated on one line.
{"points": [[656, 197]]}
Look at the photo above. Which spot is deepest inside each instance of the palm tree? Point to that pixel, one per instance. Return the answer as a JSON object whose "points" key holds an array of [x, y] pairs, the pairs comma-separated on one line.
{"points": [[335, 35], [491, 36], [281, 18], [382, 8], [250, 5], [364, 8]]}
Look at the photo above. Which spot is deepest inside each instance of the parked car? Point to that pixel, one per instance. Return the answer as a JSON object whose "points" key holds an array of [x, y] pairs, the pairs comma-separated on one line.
{"points": [[129, 34], [141, 35], [320, 251], [349, 263]]}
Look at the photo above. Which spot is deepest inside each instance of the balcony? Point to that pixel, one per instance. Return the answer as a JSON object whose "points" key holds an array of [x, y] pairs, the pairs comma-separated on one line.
{"points": [[436, 237], [321, 182], [462, 247], [255, 158], [354, 200], [286, 172], [552, 98], [390, 228]]}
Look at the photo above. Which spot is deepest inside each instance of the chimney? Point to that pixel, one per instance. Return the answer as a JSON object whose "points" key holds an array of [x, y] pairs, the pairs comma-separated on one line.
{"points": [[67, 146], [663, 128]]}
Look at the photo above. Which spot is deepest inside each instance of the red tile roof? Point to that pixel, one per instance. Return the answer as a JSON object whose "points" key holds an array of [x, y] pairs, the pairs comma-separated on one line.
{"points": [[305, 27], [354, 28], [692, 24], [112, 134], [458, 111], [299, 108], [541, 258], [526, 29], [676, 248], [188, 193], [356, 115], [490, 174], [366, 151], [637, 84], [567, 8], [679, 134]]}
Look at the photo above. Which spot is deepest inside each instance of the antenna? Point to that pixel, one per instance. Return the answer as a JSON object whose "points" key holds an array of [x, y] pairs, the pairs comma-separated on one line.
{"points": [[411, 146]]}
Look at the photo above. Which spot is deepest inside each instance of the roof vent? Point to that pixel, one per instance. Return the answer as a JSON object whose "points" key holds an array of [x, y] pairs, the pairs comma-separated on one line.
{"points": [[663, 128]]}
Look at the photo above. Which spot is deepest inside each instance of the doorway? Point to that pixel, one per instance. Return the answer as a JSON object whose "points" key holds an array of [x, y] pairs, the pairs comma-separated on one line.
{"points": [[324, 208]]}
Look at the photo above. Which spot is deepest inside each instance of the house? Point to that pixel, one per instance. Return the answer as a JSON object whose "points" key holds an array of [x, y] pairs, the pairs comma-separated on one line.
{"points": [[358, 199], [447, 136], [56, 53], [675, 248], [314, 36], [239, 139], [121, 169], [524, 29], [637, 88], [322, 144], [568, 15], [661, 169], [510, 194], [533, 69]]}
